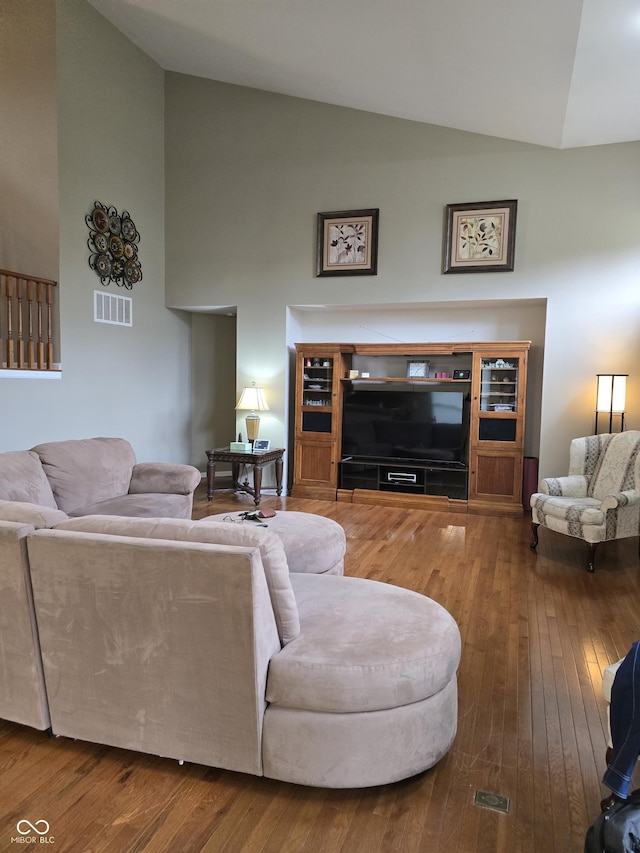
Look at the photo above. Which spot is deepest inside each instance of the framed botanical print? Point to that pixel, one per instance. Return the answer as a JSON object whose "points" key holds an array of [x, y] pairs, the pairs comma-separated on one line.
{"points": [[348, 242], [480, 236]]}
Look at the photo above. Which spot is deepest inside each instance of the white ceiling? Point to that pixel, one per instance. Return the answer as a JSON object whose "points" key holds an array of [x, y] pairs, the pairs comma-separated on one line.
{"points": [[560, 73]]}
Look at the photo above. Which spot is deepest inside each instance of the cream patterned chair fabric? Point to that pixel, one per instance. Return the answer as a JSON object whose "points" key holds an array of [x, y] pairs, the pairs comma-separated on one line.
{"points": [[599, 500]]}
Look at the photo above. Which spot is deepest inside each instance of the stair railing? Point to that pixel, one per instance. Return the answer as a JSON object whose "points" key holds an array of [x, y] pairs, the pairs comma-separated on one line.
{"points": [[26, 321]]}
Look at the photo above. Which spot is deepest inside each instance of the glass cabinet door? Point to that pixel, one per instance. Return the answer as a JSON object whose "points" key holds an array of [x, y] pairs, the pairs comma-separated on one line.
{"points": [[317, 382], [499, 384]]}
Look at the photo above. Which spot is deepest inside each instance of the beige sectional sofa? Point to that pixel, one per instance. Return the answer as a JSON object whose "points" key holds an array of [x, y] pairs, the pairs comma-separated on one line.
{"points": [[40, 488], [97, 475], [193, 641], [23, 696]]}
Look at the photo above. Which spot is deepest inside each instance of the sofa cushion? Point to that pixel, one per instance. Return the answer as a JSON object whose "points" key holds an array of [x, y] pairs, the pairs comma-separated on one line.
{"points": [[23, 479], [271, 549], [363, 646], [163, 477], [85, 471], [140, 506], [34, 514]]}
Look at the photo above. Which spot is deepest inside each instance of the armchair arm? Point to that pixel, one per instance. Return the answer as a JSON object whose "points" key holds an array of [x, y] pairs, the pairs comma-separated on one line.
{"points": [[620, 499], [163, 478], [574, 486]]}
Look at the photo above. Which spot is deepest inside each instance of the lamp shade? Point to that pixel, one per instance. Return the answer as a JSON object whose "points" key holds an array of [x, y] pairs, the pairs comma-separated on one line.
{"points": [[611, 397], [252, 399], [612, 391]]}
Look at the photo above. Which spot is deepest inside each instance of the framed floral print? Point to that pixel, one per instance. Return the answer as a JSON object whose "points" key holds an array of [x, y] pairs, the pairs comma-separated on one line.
{"points": [[480, 236], [348, 242]]}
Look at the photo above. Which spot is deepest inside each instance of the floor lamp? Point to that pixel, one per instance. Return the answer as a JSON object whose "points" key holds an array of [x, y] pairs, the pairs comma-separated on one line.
{"points": [[611, 397], [252, 400]]}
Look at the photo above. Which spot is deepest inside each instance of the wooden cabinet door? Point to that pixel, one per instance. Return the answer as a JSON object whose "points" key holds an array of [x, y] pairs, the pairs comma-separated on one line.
{"points": [[496, 474], [495, 481], [498, 396], [315, 469], [318, 409]]}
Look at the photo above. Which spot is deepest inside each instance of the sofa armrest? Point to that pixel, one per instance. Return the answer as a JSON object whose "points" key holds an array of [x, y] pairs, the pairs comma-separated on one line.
{"points": [[621, 499], [29, 513], [574, 486], [163, 478]]}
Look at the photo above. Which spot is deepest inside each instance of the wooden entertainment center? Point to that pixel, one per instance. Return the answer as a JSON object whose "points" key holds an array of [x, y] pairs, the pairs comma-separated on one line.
{"points": [[482, 476]]}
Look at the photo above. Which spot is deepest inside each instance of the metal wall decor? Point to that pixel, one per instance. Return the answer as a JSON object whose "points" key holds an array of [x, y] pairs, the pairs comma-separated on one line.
{"points": [[113, 242]]}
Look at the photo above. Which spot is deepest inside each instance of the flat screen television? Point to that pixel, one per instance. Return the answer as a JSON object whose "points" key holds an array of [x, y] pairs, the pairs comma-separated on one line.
{"points": [[422, 423]]}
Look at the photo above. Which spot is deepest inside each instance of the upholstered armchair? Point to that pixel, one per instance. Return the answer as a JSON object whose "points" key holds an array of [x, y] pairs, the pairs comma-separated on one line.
{"points": [[599, 500]]}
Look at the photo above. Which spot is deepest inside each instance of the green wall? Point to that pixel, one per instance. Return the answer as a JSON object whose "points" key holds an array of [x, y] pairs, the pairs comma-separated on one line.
{"points": [[108, 146], [86, 116], [247, 171]]}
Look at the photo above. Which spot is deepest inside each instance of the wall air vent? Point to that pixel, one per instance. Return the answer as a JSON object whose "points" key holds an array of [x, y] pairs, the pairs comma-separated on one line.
{"points": [[109, 308]]}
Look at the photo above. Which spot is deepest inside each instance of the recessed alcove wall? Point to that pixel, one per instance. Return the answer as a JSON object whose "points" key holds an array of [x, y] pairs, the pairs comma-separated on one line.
{"points": [[434, 322]]}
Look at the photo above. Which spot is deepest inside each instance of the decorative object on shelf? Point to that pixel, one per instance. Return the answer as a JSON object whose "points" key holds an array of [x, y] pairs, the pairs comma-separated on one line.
{"points": [[480, 236], [611, 397], [252, 400], [461, 374], [348, 242], [418, 368], [113, 243]]}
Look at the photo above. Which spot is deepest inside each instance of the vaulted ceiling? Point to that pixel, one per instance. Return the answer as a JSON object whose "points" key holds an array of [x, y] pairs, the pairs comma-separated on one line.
{"points": [[559, 73]]}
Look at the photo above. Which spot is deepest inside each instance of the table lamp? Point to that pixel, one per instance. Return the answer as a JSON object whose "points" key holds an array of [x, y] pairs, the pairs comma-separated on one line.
{"points": [[252, 400]]}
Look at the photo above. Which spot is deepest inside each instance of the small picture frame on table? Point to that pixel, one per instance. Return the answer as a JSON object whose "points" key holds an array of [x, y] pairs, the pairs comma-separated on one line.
{"points": [[419, 369], [261, 445]]}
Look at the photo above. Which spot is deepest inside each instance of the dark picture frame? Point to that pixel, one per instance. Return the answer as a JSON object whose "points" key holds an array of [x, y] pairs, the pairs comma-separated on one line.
{"points": [[480, 236], [348, 242]]}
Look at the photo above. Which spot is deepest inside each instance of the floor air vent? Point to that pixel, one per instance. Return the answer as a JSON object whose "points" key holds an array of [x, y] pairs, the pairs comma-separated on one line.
{"points": [[492, 801], [109, 308]]}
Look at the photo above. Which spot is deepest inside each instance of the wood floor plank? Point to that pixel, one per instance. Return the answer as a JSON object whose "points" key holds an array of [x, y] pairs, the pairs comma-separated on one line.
{"points": [[292, 834], [537, 632]]}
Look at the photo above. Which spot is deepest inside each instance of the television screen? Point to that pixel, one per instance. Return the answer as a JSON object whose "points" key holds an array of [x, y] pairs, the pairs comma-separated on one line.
{"points": [[426, 423]]}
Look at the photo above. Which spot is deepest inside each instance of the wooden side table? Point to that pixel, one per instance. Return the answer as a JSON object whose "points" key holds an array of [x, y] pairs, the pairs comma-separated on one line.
{"points": [[256, 460]]}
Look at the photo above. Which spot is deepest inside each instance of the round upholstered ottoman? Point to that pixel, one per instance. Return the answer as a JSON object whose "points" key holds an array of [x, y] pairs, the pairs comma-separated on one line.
{"points": [[367, 693], [313, 544]]}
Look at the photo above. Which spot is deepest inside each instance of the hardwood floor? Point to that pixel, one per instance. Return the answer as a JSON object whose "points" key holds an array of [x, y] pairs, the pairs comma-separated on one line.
{"points": [[537, 632]]}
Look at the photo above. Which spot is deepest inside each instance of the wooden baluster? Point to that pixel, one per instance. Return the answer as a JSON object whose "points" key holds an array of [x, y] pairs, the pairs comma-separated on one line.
{"points": [[40, 338], [21, 288], [26, 322], [49, 294], [10, 290], [31, 292]]}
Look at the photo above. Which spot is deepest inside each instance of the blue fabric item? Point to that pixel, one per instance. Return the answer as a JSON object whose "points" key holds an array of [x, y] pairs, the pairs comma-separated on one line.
{"points": [[625, 724]]}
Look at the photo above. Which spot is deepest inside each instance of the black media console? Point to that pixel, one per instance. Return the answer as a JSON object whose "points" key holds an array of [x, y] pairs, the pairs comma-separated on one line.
{"points": [[410, 476]]}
